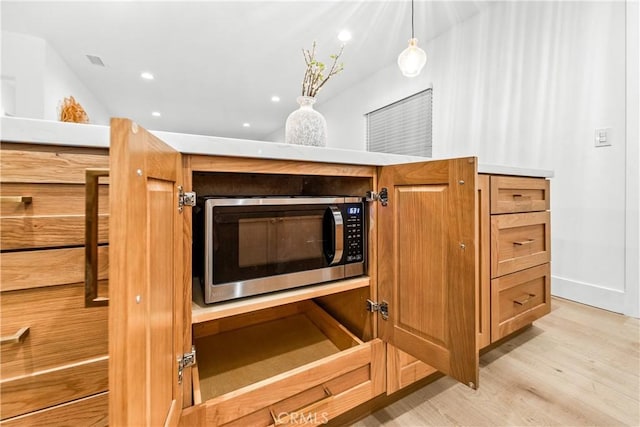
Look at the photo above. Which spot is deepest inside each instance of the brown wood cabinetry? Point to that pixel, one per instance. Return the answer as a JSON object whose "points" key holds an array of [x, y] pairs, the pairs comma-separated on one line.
{"points": [[460, 259], [54, 363], [520, 253], [425, 199]]}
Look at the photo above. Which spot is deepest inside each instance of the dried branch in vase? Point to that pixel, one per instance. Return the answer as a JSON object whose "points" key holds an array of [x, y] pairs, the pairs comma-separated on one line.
{"points": [[72, 111], [314, 77]]}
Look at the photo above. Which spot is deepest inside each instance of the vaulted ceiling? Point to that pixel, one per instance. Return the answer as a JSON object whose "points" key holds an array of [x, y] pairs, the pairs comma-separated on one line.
{"points": [[217, 64]]}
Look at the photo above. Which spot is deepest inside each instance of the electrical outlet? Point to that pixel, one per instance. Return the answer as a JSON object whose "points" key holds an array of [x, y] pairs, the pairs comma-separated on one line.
{"points": [[602, 137]]}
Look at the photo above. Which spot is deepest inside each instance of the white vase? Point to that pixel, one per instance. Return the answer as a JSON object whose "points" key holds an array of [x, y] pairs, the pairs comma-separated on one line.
{"points": [[306, 126]]}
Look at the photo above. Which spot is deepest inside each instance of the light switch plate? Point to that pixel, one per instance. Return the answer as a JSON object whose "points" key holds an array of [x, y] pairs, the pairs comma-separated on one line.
{"points": [[602, 137]]}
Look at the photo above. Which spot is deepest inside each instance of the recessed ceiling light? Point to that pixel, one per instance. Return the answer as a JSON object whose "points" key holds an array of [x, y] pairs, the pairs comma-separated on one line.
{"points": [[155, 114], [275, 98], [147, 76], [246, 125], [344, 35]]}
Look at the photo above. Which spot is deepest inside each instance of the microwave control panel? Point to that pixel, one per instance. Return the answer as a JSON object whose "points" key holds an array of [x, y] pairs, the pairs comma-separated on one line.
{"points": [[354, 232]]}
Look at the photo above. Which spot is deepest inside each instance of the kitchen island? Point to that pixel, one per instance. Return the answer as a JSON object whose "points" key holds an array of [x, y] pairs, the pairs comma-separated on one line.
{"points": [[486, 256]]}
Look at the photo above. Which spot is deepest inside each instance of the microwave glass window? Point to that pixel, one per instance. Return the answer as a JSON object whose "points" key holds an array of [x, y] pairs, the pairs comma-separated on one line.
{"points": [[299, 238], [264, 241], [255, 241]]}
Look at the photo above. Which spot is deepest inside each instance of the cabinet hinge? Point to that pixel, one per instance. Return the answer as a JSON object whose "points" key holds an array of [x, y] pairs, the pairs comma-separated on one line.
{"points": [[382, 196], [380, 307], [185, 198], [185, 361]]}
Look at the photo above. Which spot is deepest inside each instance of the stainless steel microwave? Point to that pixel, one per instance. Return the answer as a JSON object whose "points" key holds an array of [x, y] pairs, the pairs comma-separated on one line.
{"points": [[255, 245]]}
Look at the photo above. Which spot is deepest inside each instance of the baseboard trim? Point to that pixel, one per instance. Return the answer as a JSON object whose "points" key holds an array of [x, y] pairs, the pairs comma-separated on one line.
{"points": [[588, 293]]}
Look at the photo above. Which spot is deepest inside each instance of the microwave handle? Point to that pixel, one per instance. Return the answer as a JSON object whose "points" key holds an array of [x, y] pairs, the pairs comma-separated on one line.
{"points": [[336, 234]]}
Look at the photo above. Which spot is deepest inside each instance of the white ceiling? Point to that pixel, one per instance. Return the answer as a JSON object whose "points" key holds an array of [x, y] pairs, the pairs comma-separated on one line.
{"points": [[218, 63]]}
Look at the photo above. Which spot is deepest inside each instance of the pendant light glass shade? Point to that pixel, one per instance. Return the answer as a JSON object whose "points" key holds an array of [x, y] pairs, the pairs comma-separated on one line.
{"points": [[412, 60]]}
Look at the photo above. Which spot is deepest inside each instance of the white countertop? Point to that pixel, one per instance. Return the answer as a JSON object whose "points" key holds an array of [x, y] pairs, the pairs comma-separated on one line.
{"points": [[58, 133]]}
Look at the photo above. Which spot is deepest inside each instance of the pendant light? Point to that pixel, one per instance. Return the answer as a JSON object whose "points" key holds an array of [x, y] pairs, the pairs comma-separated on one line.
{"points": [[412, 59]]}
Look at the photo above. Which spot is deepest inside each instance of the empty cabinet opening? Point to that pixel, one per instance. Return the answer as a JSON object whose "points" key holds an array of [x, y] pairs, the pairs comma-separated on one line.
{"points": [[268, 184]]}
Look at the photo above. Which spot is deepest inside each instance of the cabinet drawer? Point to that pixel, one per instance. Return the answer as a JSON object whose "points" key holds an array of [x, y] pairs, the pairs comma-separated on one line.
{"points": [[90, 411], [48, 267], [61, 330], [519, 299], [43, 389], [514, 194], [48, 231], [48, 199], [280, 364], [39, 390], [49, 164], [519, 241]]}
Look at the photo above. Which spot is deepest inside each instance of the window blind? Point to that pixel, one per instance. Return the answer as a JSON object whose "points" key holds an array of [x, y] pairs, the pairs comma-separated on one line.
{"points": [[403, 127]]}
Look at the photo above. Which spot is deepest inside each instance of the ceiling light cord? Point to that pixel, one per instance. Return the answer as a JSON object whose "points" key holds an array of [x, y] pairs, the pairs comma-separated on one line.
{"points": [[412, 36]]}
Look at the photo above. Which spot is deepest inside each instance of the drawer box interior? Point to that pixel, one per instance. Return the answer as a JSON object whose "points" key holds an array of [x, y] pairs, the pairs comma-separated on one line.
{"points": [[236, 352]]}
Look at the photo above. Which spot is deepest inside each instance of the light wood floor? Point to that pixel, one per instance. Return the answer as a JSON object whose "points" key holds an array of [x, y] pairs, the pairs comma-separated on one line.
{"points": [[578, 366]]}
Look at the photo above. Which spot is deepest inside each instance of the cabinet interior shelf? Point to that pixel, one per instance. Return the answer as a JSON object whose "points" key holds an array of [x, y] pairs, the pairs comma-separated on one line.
{"points": [[201, 312]]}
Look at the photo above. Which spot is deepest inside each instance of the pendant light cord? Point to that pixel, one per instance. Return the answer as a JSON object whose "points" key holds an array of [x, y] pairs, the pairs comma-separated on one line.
{"points": [[412, 19]]}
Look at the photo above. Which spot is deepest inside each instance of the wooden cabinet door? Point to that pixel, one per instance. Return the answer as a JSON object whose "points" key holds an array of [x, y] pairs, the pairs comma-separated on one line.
{"points": [[427, 263], [145, 270]]}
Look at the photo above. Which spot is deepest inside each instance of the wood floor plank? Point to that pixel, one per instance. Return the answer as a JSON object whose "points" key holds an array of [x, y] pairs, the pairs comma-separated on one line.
{"points": [[577, 366]]}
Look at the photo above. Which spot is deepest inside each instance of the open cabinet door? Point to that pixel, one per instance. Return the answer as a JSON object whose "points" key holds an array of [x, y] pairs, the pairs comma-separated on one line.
{"points": [[426, 263], [145, 270]]}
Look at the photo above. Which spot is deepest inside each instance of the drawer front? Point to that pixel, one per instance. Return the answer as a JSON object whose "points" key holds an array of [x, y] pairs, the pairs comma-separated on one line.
{"points": [[48, 231], [48, 199], [49, 164], [40, 390], [61, 330], [90, 411], [515, 194], [519, 299], [519, 241], [320, 390], [52, 267]]}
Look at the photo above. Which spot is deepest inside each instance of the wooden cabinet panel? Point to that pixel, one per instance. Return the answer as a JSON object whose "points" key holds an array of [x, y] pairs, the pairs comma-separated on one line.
{"points": [[63, 354], [519, 299], [483, 322], [89, 411], [61, 329], [40, 390], [49, 164], [427, 264], [40, 268], [49, 199], [48, 231], [519, 241], [145, 278], [517, 194], [404, 369]]}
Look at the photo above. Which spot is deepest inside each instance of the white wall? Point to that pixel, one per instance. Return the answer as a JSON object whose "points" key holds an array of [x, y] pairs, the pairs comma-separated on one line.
{"points": [[41, 80], [632, 293], [23, 70], [526, 84]]}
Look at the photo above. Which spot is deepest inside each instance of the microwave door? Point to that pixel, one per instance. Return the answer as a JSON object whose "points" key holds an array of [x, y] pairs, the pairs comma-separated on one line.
{"points": [[333, 226]]}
